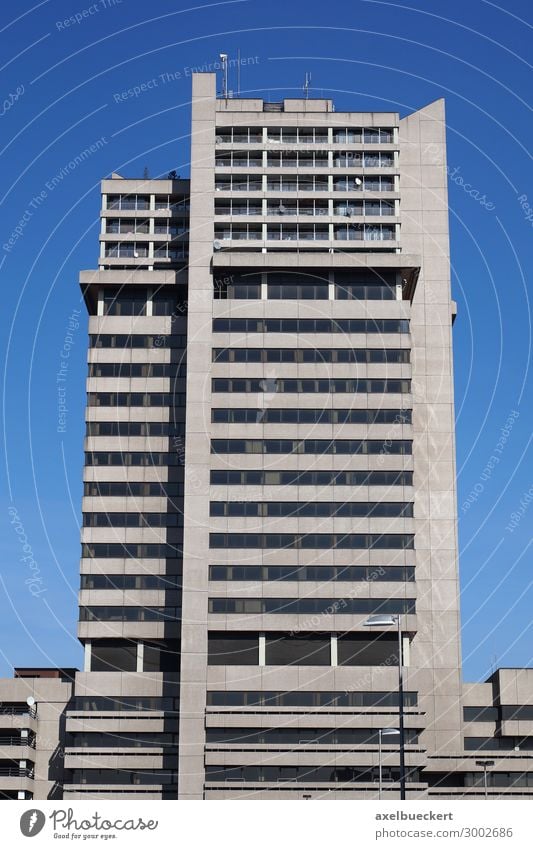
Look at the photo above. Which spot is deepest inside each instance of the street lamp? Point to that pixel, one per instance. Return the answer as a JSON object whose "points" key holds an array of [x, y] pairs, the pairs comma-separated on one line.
{"points": [[383, 732], [381, 621], [485, 765]]}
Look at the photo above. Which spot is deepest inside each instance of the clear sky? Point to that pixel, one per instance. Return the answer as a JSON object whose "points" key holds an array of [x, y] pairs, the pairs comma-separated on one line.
{"points": [[63, 85]]}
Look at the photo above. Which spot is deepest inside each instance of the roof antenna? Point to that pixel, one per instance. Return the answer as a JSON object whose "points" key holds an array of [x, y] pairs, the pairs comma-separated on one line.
{"points": [[224, 60], [307, 83]]}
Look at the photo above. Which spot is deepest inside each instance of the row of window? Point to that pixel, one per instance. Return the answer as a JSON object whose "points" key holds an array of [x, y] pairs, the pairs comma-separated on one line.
{"points": [[301, 698], [135, 428], [318, 541], [138, 340], [123, 656], [135, 551], [135, 399], [312, 573], [140, 489], [132, 300], [287, 415], [311, 325], [306, 385], [136, 250], [117, 704], [311, 355], [132, 520], [102, 777], [129, 614], [124, 369], [314, 509], [241, 206], [304, 736], [500, 713], [262, 477], [306, 232], [123, 740], [177, 205], [311, 446], [133, 458], [162, 226], [322, 606], [306, 135], [302, 183], [234, 648], [303, 159], [304, 292], [129, 582], [498, 744], [306, 774]]}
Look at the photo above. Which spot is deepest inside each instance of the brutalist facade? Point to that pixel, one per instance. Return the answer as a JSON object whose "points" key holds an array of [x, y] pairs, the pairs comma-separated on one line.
{"points": [[270, 476]]}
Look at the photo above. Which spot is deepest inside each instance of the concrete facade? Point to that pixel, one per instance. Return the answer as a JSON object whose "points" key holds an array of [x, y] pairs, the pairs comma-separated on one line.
{"points": [[270, 461]]}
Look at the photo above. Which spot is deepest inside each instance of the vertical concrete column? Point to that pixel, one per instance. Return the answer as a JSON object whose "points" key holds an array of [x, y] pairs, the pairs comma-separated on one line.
{"points": [[196, 520]]}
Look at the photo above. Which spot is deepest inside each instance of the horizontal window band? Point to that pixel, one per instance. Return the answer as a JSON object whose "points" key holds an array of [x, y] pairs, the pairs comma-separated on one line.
{"points": [[263, 477], [311, 355], [133, 489], [284, 415], [135, 399], [131, 550], [128, 370], [130, 582], [129, 428], [322, 606], [138, 340], [327, 386], [122, 613], [302, 698], [318, 573], [313, 509], [311, 446], [312, 541]]}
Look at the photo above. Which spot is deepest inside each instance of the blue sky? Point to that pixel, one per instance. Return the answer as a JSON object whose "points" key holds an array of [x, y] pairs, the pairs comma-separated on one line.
{"points": [[62, 86]]}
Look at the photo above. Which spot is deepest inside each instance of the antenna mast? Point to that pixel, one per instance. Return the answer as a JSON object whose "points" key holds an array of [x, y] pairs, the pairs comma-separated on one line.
{"points": [[307, 83], [224, 60]]}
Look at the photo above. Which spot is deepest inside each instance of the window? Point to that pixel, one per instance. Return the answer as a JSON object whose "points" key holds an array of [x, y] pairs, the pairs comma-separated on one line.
{"points": [[128, 202], [127, 301], [232, 649], [113, 656], [297, 650], [480, 714], [358, 649]]}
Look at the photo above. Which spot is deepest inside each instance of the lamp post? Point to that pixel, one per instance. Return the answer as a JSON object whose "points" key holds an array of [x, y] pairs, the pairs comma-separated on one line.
{"points": [[383, 732], [378, 621], [485, 765]]}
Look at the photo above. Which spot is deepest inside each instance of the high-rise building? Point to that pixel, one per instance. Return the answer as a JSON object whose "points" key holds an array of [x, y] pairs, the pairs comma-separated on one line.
{"points": [[269, 513]]}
